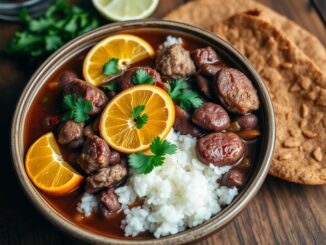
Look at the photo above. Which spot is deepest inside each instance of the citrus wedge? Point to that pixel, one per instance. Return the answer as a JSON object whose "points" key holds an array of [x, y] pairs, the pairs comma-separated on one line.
{"points": [[120, 10], [47, 169], [127, 48], [119, 129]]}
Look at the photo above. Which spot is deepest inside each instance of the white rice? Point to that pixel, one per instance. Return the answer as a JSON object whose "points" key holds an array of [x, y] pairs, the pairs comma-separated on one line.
{"points": [[181, 193], [170, 40], [88, 204]]}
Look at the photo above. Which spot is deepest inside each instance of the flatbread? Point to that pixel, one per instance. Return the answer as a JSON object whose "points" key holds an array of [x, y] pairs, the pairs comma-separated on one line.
{"points": [[298, 90], [204, 13]]}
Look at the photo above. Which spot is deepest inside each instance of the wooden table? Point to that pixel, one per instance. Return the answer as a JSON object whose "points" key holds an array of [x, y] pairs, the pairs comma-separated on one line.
{"points": [[282, 213]]}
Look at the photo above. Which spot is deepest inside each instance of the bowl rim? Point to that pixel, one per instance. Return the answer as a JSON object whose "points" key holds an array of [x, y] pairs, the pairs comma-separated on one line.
{"points": [[213, 224]]}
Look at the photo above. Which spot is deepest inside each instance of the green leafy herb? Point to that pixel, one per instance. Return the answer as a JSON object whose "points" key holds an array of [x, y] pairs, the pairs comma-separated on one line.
{"points": [[111, 67], [178, 91], [142, 77], [140, 120], [113, 86], [144, 164], [77, 108], [46, 34]]}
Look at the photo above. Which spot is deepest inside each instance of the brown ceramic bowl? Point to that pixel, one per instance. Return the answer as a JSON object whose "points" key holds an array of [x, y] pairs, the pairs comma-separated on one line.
{"points": [[81, 43]]}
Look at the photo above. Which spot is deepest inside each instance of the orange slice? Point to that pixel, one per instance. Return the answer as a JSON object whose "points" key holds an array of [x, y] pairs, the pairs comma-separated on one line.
{"points": [[127, 48], [118, 128], [47, 169]]}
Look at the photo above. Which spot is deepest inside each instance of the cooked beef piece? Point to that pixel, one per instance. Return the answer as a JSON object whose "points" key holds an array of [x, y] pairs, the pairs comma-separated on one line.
{"points": [[175, 62], [211, 116], [204, 56], [70, 131], [183, 124], [220, 149], [88, 130], [114, 158], [95, 154], [76, 143], [203, 85], [235, 91], [66, 77], [127, 79], [109, 203], [210, 70], [248, 121], [236, 177], [106, 177], [88, 92]]}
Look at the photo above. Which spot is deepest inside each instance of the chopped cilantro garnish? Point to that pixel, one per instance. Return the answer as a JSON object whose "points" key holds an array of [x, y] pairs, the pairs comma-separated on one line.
{"points": [[140, 120], [144, 164], [44, 35], [77, 108], [178, 91], [113, 86], [142, 77], [111, 67]]}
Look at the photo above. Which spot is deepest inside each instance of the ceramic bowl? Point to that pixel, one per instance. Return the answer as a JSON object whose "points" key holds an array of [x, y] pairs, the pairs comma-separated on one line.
{"points": [[85, 41]]}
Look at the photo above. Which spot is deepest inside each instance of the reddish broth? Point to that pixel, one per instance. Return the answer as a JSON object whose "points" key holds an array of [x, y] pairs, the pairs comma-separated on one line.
{"points": [[48, 102]]}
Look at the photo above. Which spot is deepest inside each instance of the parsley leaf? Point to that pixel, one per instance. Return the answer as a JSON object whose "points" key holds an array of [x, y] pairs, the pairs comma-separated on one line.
{"points": [[144, 164], [41, 36], [178, 92], [140, 120], [113, 86], [111, 67], [142, 77], [77, 108]]}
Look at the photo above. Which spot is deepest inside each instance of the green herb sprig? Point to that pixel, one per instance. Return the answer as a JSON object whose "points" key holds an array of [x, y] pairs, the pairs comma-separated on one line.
{"points": [[140, 120], [179, 91], [43, 35], [111, 67], [77, 108], [144, 164], [142, 77]]}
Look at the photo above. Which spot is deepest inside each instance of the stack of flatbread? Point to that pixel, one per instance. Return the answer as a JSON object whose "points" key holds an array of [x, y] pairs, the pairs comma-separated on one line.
{"points": [[291, 62]]}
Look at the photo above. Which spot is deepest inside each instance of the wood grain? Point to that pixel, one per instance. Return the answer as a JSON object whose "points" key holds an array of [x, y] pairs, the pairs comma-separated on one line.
{"points": [[281, 213]]}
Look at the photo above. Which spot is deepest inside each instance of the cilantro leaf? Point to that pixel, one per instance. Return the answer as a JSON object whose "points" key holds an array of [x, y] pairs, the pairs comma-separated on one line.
{"points": [[162, 147], [142, 77], [140, 120], [77, 108], [178, 91], [137, 110], [111, 67], [43, 35], [144, 164], [113, 86], [175, 88]]}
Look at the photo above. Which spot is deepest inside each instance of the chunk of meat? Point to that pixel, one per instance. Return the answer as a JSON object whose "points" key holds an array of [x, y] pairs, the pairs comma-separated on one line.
{"points": [[236, 177], [235, 91], [183, 124], [204, 56], [88, 130], [114, 158], [89, 92], [95, 154], [69, 132], [203, 85], [210, 70], [175, 62], [211, 116], [106, 177], [109, 203], [220, 149], [66, 77], [248, 121], [126, 80]]}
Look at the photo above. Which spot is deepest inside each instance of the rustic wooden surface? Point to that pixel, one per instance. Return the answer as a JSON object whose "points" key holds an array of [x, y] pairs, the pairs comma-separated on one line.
{"points": [[281, 213]]}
